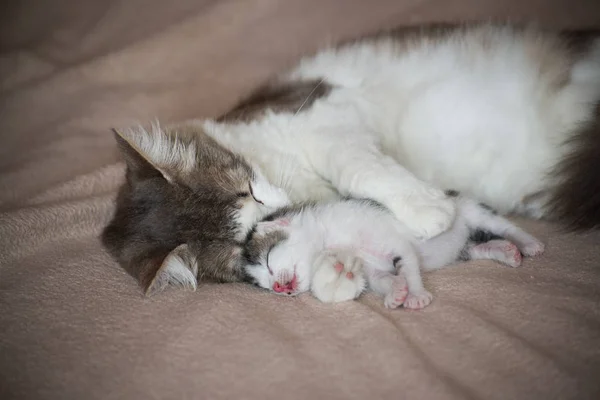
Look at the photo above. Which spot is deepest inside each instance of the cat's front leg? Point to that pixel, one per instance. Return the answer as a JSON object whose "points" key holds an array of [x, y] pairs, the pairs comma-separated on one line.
{"points": [[361, 170], [337, 276]]}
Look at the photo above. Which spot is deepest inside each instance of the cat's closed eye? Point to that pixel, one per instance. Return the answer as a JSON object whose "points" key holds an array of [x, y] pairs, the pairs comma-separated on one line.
{"points": [[250, 192], [253, 196]]}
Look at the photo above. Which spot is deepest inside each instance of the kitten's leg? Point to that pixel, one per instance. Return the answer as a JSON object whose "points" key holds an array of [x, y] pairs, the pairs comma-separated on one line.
{"points": [[408, 266], [406, 263], [481, 217], [502, 251], [393, 287], [337, 276], [361, 170]]}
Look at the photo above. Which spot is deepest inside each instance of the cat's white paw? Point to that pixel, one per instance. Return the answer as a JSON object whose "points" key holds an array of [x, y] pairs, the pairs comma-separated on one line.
{"points": [[398, 294], [417, 301], [338, 276], [426, 213]]}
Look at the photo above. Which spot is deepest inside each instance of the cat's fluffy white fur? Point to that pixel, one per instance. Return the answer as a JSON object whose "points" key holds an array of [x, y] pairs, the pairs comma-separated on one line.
{"points": [[335, 249], [484, 110]]}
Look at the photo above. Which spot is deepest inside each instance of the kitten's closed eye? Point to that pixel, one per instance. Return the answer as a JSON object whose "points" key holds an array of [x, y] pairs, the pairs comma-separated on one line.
{"points": [[267, 261]]}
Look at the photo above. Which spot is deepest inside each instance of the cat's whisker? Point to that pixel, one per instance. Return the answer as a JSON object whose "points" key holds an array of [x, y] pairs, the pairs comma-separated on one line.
{"points": [[308, 97]]}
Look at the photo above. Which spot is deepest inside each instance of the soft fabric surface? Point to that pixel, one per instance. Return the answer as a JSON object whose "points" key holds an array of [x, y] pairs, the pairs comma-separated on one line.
{"points": [[73, 325]]}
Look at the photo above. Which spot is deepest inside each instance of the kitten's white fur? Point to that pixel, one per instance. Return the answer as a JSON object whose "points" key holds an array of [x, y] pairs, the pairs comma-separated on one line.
{"points": [[328, 245], [482, 110]]}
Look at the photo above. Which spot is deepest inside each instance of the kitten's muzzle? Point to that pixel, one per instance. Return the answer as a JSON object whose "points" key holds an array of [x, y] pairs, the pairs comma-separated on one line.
{"points": [[287, 288]]}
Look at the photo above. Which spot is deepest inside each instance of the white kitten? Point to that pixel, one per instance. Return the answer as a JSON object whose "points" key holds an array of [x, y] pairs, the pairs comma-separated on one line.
{"points": [[335, 249]]}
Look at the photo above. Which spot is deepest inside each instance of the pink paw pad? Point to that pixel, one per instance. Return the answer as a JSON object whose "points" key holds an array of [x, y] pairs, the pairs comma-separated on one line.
{"points": [[511, 248], [398, 295], [512, 252], [349, 275], [339, 267], [517, 257], [419, 301]]}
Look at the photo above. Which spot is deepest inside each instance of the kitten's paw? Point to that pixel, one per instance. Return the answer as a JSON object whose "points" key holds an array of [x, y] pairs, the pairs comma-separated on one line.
{"points": [[338, 277], [426, 214], [398, 295], [509, 254], [417, 301], [533, 248]]}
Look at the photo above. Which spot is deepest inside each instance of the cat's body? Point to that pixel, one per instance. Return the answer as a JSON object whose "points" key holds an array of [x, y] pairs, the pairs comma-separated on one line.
{"points": [[491, 111], [483, 110], [334, 248]]}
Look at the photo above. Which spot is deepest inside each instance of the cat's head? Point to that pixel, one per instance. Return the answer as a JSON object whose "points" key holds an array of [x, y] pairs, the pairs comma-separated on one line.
{"points": [[186, 197], [274, 261]]}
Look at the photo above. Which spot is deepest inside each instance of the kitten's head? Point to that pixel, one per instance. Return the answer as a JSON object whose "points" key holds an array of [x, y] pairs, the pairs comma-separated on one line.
{"points": [[274, 261], [184, 188]]}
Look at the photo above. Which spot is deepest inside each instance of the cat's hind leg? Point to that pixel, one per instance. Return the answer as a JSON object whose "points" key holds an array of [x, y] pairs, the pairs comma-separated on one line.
{"points": [[337, 276]]}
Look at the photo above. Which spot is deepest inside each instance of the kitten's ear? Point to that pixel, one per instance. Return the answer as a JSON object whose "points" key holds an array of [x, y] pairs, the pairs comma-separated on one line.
{"points": [[266, 227], [166, 153], [179, 268]]}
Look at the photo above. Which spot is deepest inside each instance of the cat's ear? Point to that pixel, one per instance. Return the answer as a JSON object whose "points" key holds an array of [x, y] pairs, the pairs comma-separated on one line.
{"points": [[146, 149], [179, 268], [277, 225], [136, 164]]}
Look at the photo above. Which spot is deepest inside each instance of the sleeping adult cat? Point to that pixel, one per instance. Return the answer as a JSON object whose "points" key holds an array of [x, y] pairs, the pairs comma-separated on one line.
{"points": [[505, 115]]}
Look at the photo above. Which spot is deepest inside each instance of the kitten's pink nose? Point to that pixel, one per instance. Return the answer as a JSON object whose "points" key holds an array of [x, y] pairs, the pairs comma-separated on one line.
{"points": [[287, 288], [278, 287]]}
